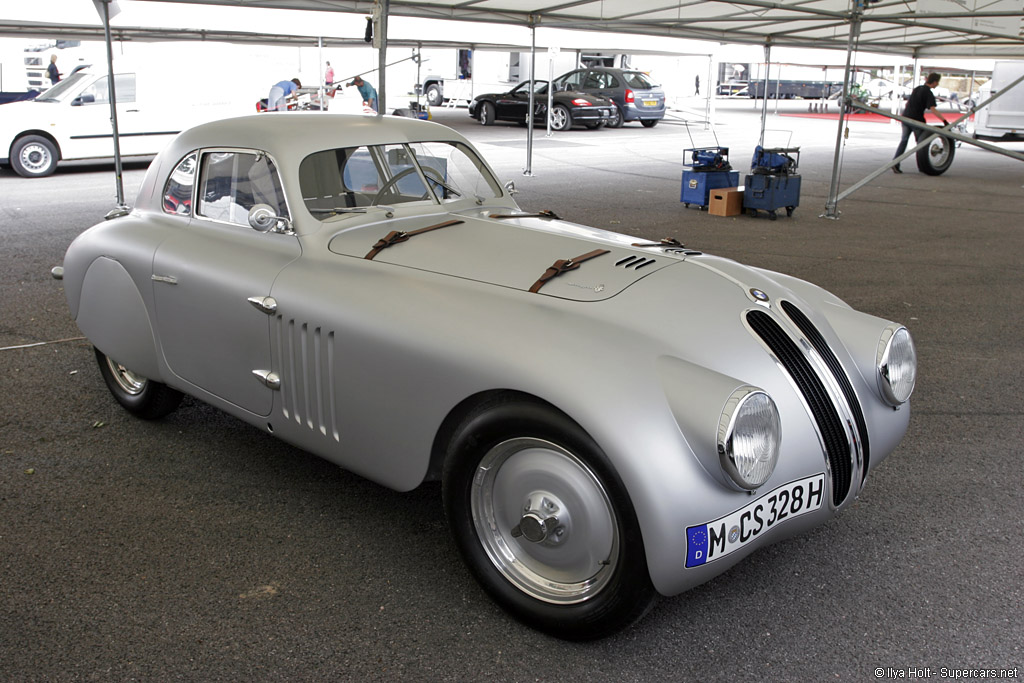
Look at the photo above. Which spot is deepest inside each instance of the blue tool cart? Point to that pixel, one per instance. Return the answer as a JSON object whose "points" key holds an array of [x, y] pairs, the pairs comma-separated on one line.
{"points": [[706, 169], [773, 182]]}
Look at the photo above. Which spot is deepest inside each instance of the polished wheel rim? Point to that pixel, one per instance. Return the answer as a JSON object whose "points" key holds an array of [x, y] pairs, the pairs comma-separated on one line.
{"points": [[35, 157], [127, 380], [938, 150], [558, 119], [545, 520], [485, 115]]}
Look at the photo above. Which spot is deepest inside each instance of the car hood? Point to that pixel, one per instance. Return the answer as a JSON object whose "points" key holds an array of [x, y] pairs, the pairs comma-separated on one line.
{"points": [[512, 249]]}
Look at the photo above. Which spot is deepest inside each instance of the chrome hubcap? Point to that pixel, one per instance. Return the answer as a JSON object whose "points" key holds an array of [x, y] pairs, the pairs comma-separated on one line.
{"points": [[558, 119], [35, 157], [127, 380], [545, 521]]}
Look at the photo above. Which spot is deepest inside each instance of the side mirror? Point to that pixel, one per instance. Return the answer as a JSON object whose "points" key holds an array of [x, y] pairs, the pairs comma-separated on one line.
{"points": [[83, 99], [510, 187], [263, 219]]}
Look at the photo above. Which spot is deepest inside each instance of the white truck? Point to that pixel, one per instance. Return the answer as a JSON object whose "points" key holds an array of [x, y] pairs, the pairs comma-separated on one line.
{"points": [[461, 75], [1004, 118]]}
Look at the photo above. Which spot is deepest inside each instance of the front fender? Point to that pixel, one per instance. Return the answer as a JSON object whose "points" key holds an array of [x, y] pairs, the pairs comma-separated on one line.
{"points": [[112, 314]]}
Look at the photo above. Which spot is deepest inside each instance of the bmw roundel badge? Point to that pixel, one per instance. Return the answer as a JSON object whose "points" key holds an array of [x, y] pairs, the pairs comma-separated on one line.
{"points": [[758, 294]]}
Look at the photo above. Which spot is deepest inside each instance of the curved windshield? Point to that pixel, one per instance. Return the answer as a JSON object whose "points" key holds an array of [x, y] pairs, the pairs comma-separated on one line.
{"points": [[350, 179], [61, 89]]}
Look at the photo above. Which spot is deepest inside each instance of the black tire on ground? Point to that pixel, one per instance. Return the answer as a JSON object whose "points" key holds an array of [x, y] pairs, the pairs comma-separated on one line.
{"points": [[561, 118], [434, 96], [616, 120], [487, 113], [594, 125], [141, 397], [513, 466], [937, 156], [34, 156], [649, 123]]}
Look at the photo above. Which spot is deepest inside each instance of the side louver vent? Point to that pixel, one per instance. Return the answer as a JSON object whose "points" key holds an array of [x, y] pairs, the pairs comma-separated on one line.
{"points": [[814, 336], [830, 426], [307, 358], [635, 262]]}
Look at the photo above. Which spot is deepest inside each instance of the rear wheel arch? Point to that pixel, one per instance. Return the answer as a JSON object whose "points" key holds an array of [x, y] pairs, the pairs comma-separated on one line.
{"points": [[113, 315]]}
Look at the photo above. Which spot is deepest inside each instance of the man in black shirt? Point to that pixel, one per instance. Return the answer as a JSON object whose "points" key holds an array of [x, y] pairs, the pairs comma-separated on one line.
{"points": [[920, 101]]}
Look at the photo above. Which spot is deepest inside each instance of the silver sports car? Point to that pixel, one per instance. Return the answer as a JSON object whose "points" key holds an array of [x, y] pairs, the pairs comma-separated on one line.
{"points": [[611, 419]]}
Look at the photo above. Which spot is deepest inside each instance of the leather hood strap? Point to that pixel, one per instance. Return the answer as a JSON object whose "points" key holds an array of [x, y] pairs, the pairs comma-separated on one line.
{"points": [[563, 266]]}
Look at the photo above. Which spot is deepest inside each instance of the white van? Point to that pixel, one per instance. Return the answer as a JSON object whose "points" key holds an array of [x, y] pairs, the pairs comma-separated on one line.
{"points": [[71, 121], [1004, 118]]}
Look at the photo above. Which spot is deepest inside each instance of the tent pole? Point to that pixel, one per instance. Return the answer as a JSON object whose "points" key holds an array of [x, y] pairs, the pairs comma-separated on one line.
{"points": [[831, 205], [764, 92], [320, 70], [382, 57], [118, 172], [528, 171]]}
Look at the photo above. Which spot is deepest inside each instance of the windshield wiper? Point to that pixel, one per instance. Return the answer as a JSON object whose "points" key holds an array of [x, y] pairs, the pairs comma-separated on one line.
{"points": [[356, 209]]}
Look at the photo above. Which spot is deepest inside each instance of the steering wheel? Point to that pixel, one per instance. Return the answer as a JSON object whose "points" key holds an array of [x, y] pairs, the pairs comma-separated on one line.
{"points": [[391, 182]]}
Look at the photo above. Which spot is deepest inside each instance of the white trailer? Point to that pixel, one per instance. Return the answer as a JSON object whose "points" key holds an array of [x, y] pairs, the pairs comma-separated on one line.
{"points": [[1004, 118]]}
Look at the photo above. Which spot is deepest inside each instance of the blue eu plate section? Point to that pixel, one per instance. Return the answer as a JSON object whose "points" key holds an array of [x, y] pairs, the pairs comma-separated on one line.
{"points": [[697, 185]]}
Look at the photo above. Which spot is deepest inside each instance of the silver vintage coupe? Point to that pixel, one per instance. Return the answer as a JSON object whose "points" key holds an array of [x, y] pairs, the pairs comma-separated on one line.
{"points": [[611, 419]]}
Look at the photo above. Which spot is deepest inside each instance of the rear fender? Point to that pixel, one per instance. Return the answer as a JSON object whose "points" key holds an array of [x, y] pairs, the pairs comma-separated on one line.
{"points": [[112, 314]]}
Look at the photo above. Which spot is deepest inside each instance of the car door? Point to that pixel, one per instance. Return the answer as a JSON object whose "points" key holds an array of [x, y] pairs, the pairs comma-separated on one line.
{"points": [[212, 278], [513, 105]]}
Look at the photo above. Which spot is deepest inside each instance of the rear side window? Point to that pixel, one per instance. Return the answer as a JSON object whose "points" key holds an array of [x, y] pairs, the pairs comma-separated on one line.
{"points": [[231, 183], [178, 190], [635, 79]]}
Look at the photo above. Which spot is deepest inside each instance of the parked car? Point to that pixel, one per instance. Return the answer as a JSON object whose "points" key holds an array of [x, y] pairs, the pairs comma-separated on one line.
{"points": [[636, 97], [611, 418], [71, 120], [567, 107]]}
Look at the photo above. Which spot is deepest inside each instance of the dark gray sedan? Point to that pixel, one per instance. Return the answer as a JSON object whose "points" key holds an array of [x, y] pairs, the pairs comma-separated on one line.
{"points": [[635, 96]]}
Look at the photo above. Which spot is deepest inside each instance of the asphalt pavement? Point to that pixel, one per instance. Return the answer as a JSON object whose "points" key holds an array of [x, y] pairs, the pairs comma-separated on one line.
{"points": [[198, 548]]}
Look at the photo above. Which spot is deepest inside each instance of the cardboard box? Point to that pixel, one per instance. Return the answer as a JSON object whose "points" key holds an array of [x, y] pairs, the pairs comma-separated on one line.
{"points": [[727, 201]]}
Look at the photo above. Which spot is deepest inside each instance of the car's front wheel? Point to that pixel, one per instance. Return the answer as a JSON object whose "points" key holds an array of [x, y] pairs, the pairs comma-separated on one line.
{"points": [[561, 119], [34, 156], [543, 521], [434, 96], [487, 114], [139, 396]]}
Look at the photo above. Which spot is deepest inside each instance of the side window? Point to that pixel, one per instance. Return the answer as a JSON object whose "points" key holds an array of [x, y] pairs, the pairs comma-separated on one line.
{"points": [[573, 81], [124, 86], [611, 82], [595, 80], [231, 183], [178, 190]]}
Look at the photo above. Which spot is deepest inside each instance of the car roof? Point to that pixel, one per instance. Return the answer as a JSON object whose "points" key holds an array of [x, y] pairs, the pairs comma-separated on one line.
{"points": [[298, 134]]}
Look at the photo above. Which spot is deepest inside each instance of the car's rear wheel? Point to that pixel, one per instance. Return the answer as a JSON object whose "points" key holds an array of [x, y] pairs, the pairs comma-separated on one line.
{"points": [[649, 123], [937, 156], [139, 396], [544, 522], [616, 120], [34, 156], [561, 119], [487, 114]]}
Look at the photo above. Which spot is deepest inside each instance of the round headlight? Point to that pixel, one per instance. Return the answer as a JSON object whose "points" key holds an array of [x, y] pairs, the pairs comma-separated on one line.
{"points": [[749, 433], [897, 365]]}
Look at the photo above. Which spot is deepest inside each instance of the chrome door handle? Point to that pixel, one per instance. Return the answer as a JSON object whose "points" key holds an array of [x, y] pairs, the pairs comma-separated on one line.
{"points": [[169, 279]]}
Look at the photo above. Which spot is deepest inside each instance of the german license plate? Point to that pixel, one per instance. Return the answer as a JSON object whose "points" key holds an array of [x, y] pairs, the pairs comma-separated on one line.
{"points": [[714, 540], [650, 103]]}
